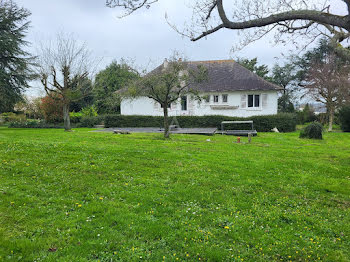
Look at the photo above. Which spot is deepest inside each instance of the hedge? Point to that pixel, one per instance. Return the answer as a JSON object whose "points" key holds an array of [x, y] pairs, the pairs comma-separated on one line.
{"points": [[344, 118], [91, 121], [34, 124], [285, 122]]}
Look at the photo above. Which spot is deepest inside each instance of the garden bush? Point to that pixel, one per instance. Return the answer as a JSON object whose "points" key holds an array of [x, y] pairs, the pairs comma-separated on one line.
{"points": [[313, 131], [34, 124], [75, 117], [52, 109], [12, 117], [91, 121], [90, 111], [85, 116], [344, 118], [285, 122]]}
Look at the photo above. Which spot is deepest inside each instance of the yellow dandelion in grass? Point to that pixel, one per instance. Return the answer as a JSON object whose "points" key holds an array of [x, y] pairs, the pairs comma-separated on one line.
{"points": [[226, 227], [79, 205], [187, 255], [12, 203], [101, 198], [115, 252]]}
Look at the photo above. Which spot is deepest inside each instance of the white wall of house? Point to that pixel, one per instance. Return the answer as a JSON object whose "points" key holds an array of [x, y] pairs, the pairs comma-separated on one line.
{"points": [[237, 105]]}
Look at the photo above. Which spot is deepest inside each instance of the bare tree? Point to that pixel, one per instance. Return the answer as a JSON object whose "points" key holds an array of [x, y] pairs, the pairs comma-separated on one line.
{"points": [[64, 70], [328, 83], [167, 84], [256, 18]]}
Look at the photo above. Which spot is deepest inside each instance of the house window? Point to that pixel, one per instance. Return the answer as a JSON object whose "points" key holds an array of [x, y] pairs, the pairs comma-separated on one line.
{"points": [[184, 103], [207, 99], [224, 98], [216, 99], [256, 100], [253, 100]]}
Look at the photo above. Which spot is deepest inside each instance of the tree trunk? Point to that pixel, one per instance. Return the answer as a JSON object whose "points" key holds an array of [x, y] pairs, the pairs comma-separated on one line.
{"points": [[330, 119], [66, 118], [166, 123]]}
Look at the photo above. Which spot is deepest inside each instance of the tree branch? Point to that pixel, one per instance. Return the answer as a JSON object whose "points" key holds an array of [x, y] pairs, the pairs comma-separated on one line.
{"points": [[307, 15], [130, 6], [211, 10]]}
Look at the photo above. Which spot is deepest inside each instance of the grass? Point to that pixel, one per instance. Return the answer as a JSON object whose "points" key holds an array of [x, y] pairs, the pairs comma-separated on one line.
{"points": [[84, 196]]}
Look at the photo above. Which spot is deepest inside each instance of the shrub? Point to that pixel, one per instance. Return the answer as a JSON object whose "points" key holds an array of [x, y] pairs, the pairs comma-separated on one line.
{"points": [[285, 122], [52, 109], [89, 111], [75, 117], [313, 131], [344, 118], [34, 124], [91, 121], [12, 117], [305, 116]]}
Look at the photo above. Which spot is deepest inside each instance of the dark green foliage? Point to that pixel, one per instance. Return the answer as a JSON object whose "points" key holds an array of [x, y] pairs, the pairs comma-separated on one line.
{"points": [[312, 131], [91, 121], [283, 122], [14, 61], [108, 81], [285, 76], [285, 104], [84, 92], [252, 65], [306, 116], [344, 118]]}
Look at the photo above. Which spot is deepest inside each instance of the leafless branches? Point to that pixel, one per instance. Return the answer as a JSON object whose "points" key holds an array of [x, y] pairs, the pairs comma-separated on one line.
{"points": [[64, 69], [130, 6], [255, 18], [328, 83]]}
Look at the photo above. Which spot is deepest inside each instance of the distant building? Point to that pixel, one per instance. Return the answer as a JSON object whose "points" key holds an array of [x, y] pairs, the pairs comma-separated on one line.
{"points": [[317, 108], [232, 90]]}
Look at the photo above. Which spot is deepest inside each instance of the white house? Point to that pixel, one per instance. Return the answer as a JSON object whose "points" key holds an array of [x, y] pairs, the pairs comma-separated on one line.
{"points": [[231, 90]]}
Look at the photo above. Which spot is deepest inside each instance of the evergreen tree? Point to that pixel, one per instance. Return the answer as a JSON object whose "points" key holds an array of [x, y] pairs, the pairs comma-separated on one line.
{"points": [[285, 76], [14, 60], [114, 77], [252, 65]]}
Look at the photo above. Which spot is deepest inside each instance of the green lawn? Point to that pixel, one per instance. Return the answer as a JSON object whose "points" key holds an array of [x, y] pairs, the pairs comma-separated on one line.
{"points": [[84, 196]]}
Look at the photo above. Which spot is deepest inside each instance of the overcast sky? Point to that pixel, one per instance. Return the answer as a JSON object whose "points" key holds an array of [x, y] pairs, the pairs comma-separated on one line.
{"points": [[143, 37]]}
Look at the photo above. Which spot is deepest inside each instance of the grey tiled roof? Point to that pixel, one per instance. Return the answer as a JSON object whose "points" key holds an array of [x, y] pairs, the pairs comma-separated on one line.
{"points": [[228, 75]]}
